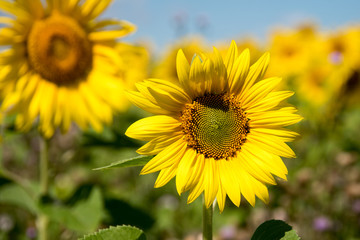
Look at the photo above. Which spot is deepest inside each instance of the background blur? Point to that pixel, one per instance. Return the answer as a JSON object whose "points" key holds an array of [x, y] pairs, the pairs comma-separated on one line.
{"points": [[161, 22], [314, 46]]}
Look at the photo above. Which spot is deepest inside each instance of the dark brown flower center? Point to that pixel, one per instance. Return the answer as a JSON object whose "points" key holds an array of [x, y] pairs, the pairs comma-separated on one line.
{"points": [[215, 125], [59, 50]]}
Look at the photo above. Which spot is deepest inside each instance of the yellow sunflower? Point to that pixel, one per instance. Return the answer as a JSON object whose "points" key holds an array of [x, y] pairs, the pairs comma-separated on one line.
{"points": [[59, 64], [291, 51], [219, 129], [343, 47]]}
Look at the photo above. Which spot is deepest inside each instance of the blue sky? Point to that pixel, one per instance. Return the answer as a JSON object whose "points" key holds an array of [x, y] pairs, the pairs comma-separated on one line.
{"points": [[225, 20]]}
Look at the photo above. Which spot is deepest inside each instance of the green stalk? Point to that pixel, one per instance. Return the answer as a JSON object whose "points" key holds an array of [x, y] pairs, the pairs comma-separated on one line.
{"points": [[43, 220], [44, 165], [207, 222]]}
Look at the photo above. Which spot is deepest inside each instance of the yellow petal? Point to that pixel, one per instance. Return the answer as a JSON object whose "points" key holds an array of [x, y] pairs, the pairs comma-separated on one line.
{"points": [[209, 75], [259, 91], [183, 71], [97, 107], [265, 159], [245, 161], [171, 88], [221, 194], [11, 8], [122, 29], [78, 111], [256, 72], [270, 101], [231, 55], [186, 164], [195, 172], [93, 8], [284, 134], [70, 5], [197, 77], [46, 108], [6, 20], [261, 191], [211, 181], [151, 127], [109, 54], [166, 158], [140, 101], [229, 180], [158, 144], [239, 72], [36, 99], [31, 85], [281, 117], [166, 175], [197, 189], [247, 186], [219, 82], [271, 144], [36, 8]]}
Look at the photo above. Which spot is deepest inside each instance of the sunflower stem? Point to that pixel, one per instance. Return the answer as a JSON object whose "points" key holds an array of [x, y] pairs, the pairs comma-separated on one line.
{"points": [[207, 222], [44, 164], [43, 220]]}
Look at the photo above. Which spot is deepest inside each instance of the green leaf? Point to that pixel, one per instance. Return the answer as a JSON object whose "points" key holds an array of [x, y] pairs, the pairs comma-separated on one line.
{"points": [[274, 230], [62, 215], [14, 194], [85, 216], [90, 211], [291, 235], [131, 162], [118, 233]]}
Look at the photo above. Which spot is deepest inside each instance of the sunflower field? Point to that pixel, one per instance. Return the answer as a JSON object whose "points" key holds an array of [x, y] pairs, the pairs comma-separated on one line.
{"points": [[105, 138]]}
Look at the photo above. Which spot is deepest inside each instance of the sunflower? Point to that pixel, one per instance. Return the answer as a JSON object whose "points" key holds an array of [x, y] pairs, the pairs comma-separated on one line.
{"points": [[291, 51], [59, 64], [219, 129]]}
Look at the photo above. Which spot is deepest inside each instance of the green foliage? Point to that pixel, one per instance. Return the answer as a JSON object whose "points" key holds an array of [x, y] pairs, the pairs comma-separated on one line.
{"points": [[118, 233], [291, 235], [15, 195], [85, 216], [131, 162], [274, 230]]}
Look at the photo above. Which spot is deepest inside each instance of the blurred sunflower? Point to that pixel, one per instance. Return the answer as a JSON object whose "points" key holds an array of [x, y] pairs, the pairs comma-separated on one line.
{"points": [[59, 64], [343, 47], [290, 51], [166, 68], [218, 129]]}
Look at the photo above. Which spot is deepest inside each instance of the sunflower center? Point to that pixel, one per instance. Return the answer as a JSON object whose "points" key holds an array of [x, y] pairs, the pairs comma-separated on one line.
{"points": [[59, 50], [215, 125]]}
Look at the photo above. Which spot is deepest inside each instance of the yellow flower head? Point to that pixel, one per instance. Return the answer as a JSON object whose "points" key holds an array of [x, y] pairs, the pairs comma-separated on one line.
{"points": [[291, 51], [219, 129], [59, 64], [343, 47]]}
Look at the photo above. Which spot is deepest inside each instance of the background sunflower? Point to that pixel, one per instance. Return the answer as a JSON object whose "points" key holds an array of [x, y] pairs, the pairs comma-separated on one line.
{"points": [[61, 65]]}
